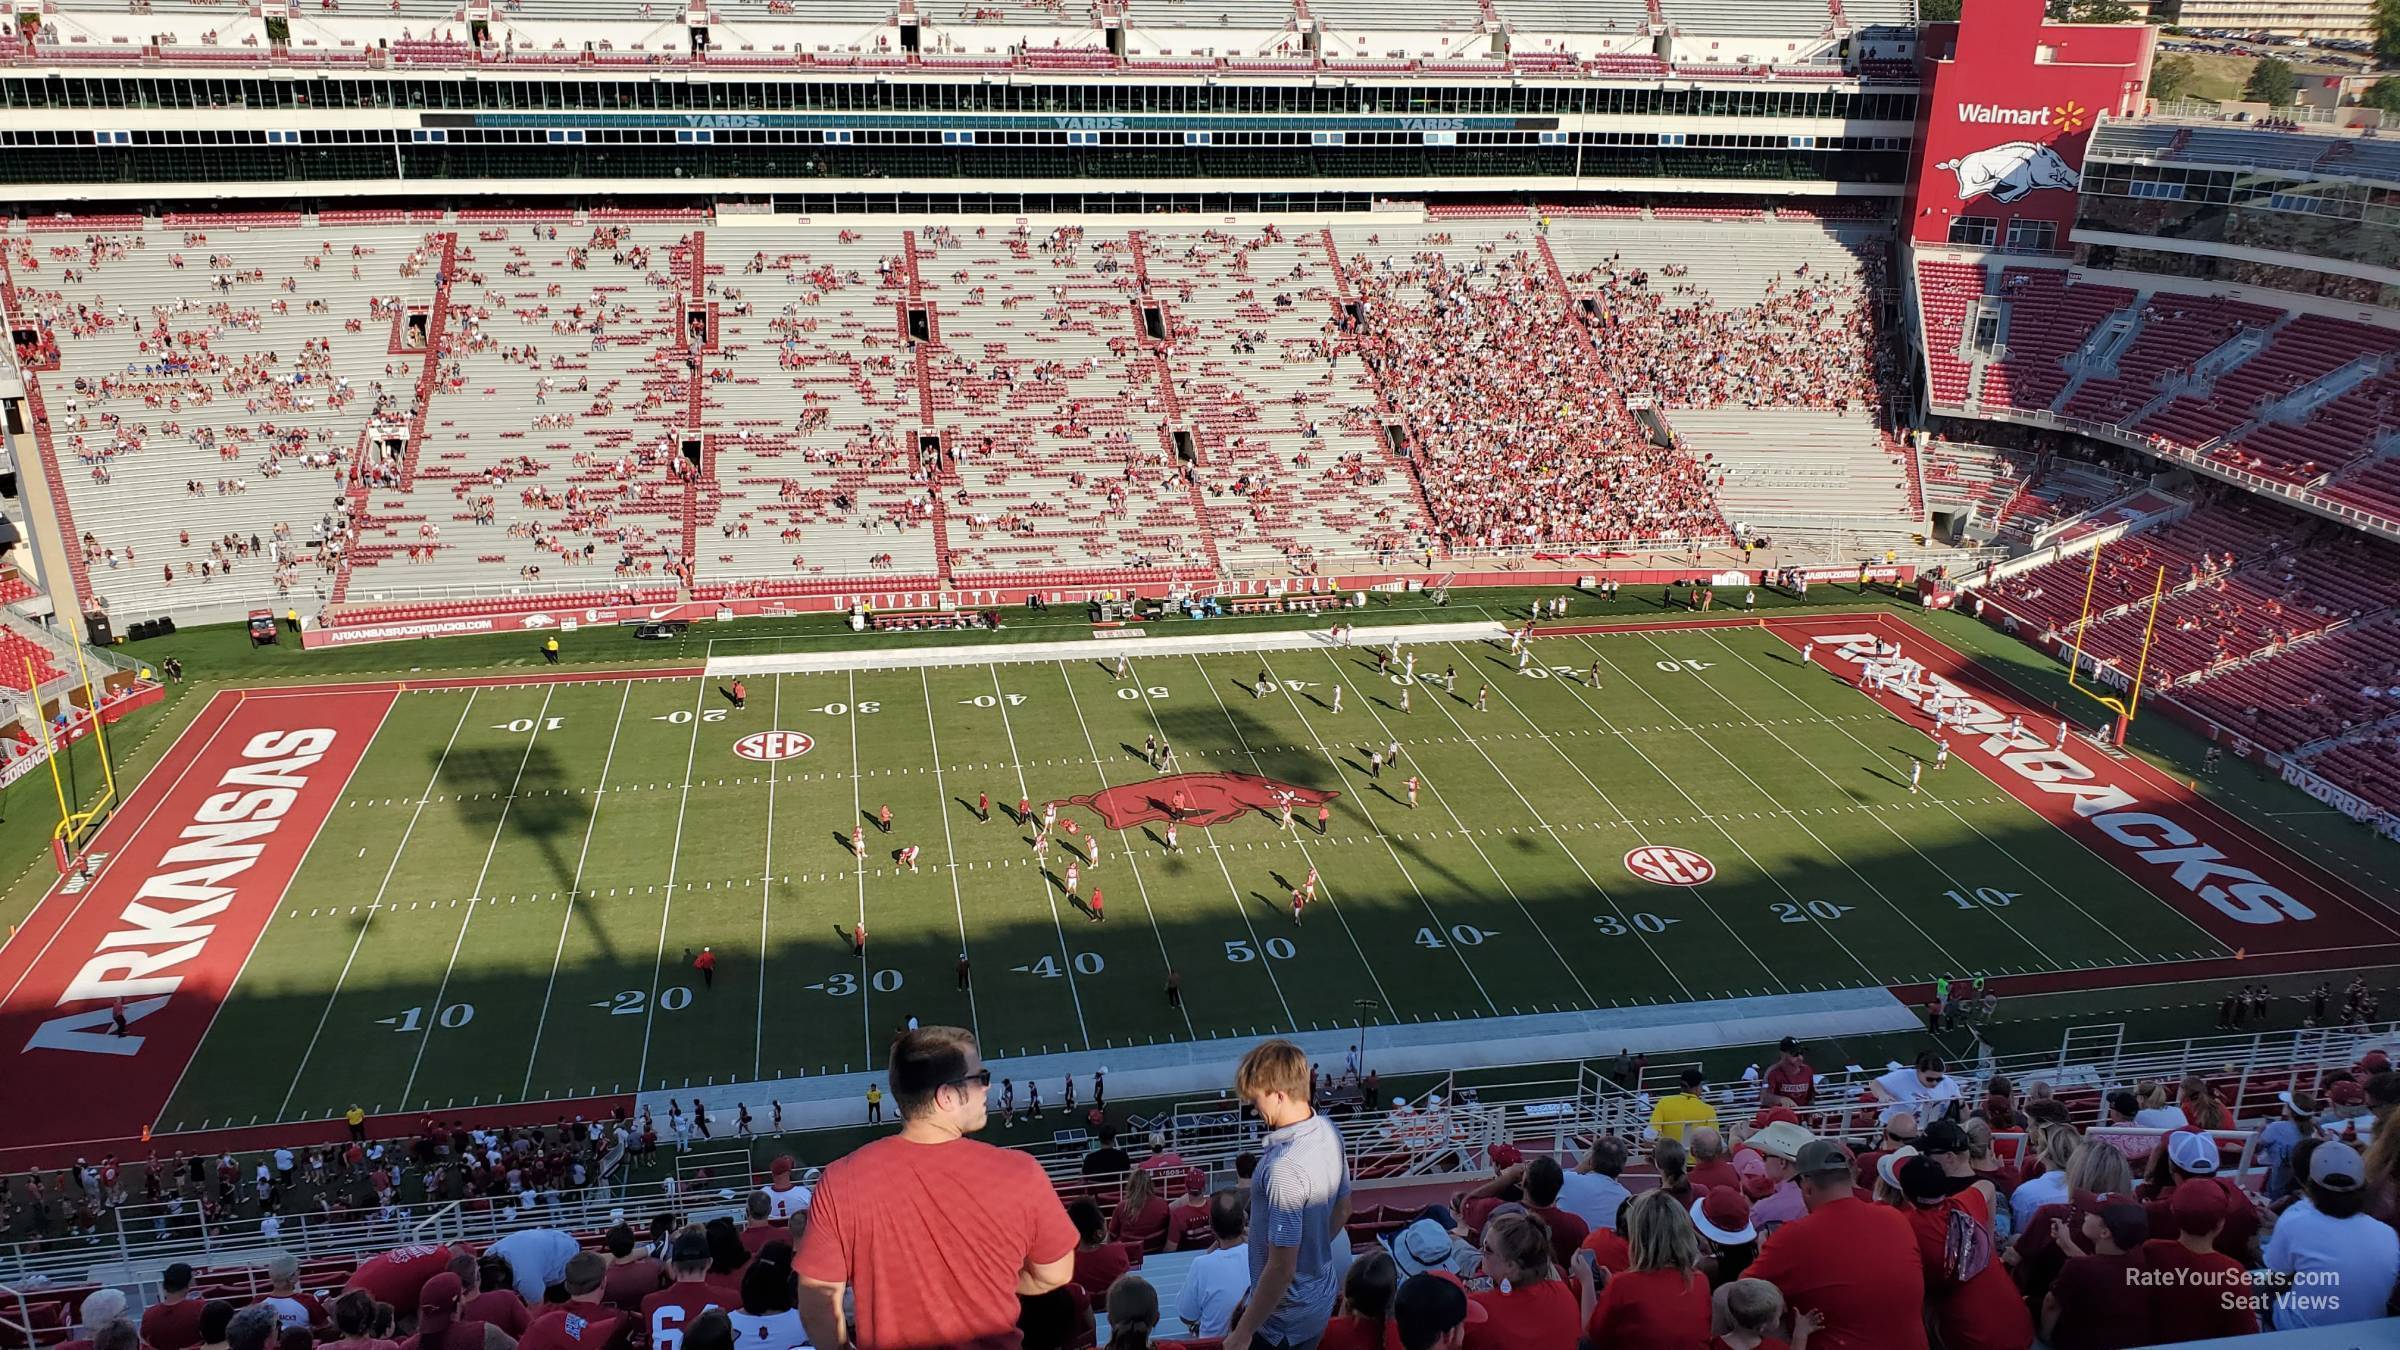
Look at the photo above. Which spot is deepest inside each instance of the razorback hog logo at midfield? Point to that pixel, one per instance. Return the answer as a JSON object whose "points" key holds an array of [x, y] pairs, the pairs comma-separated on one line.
{"points": [[2010, 170], [1209, 799]]}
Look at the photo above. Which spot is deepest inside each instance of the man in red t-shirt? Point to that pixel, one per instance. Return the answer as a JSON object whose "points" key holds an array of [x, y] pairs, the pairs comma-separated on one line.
{"points": [[1188, 1228], [395, 1277], [763, 1227], [1790, 1076], [173, 1323], [1852, 1263], [583, 1322], [2199, 1293], [935, 1234], [666, 1313], [1543, 1178]]}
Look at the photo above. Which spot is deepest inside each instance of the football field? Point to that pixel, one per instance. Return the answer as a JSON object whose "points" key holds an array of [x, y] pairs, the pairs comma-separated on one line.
{"points": [[487, 893]]}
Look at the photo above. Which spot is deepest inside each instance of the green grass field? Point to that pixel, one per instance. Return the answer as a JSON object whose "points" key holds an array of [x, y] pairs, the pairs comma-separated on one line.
{"points": [[607, 826]]}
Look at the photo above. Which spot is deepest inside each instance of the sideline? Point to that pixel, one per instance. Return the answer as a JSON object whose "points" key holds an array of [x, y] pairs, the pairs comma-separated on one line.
{"points": [[1204, 1068]]}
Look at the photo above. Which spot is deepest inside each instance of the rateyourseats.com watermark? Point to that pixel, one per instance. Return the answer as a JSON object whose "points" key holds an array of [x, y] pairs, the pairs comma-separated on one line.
{"points": [[2256, 1290]]}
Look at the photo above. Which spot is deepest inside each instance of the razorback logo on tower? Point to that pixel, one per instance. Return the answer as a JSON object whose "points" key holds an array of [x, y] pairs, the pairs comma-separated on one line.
{"points": [[1208, 799], [2006, 115], [2009, 170]]}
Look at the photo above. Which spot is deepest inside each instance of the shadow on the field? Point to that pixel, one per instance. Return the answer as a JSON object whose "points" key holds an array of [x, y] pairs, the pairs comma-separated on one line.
{"points": [[513, 797]]}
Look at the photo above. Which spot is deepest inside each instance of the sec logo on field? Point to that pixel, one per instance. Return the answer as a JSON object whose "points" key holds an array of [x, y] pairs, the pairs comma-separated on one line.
{"points": [[1669, 866], [773, 745]]}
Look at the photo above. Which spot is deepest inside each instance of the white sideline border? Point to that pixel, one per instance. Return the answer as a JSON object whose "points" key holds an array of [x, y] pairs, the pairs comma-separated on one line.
{"points": [[1205, 1067], [1100, 646]]}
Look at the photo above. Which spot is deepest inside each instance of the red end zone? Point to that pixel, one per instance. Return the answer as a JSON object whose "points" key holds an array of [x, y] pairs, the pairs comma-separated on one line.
{"points": [[197, 859], [2239, 886]]}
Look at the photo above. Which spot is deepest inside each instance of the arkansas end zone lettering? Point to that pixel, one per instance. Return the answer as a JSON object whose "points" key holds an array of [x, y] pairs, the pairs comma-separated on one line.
{"points": [[2181, 856], [168, 921]]}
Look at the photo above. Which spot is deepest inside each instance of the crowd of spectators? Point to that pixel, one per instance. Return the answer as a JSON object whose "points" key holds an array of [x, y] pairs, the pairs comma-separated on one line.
{"points": [[1518, 426], [1895, 1223]]}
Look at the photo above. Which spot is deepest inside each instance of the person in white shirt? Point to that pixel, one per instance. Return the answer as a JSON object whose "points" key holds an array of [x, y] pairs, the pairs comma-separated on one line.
{"points": [[1216, 1280], [785, 1197], [769, 1318], [1925, 1088], [2159, 1111], [2055, 1145], [2333, 1263], [1592, 1192], [537, 1258]]}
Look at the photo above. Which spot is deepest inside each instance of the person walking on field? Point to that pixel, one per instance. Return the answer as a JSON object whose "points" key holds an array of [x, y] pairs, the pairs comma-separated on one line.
{"points": [[706, 964], [550, 651]]}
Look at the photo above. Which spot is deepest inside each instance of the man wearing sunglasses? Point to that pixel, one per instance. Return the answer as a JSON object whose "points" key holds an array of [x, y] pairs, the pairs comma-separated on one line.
{"points": [[935, 1233]]}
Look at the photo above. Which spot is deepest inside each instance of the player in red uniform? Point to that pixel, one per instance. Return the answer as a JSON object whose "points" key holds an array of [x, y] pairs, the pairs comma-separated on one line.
{"points": [[706, 964], [1299, 901], [983, 807], [1098, 907], [883, 817], [1324, 818], [1024, 810]]}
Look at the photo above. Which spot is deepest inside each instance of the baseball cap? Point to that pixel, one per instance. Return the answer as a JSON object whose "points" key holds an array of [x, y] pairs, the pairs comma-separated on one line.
{"points": [[1789, 1046], [1888, 1166], [1819, 1156], [1194, 1178], [689, 1246], [1942, 1136], [1429, 1305], [2302, 1103], [1783, 1139], [1924, 1182], [2193, 1153], [1768, 1115], [2336, 1167], [782, 1166], [2199, 1208], [2127, 1222], [1506, 1155], [1722, 1214]]}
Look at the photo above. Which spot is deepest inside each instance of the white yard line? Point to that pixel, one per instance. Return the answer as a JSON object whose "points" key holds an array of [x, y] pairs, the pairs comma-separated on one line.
{"points": [[433, 1011], [1467, 832], [1125, 849], [950, 854], [402, 848], [2030, 945], [691, 757], [858, 822], [1705, 814], [1788, 814], [766, 895], [575, 888], [1442, 703], [1309, 857], [2040, 878], [1698, 893], [1025, 793]]}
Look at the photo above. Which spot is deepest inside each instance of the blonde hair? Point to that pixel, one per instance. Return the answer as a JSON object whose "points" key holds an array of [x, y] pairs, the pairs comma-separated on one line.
{"points": [[1660, 1234], [1522, 1242], [1274, 1066], [2099, 1169], [1745, 1305], [1139, 1191], [2201, 1105]]}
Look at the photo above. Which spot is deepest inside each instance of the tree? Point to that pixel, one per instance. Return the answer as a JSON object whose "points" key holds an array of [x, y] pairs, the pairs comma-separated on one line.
{"points": [[2271, 83], [2383, 95], [1946, 11], [2088, 11], [2170, 77], [2387, 32]]}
